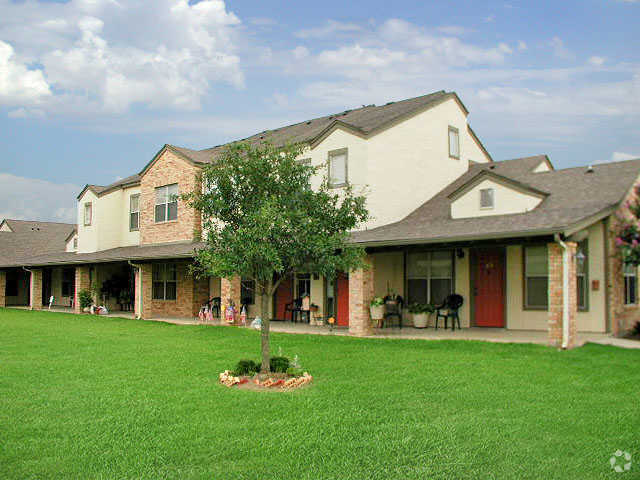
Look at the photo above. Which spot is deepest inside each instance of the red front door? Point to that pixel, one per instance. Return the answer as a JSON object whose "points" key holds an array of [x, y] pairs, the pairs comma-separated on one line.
{"points": [[488, 285], [283, 296], [342, 293]]}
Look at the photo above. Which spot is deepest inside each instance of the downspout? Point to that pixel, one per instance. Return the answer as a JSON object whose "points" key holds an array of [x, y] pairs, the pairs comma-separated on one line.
{"points": [[565, 291], [140, 296]]}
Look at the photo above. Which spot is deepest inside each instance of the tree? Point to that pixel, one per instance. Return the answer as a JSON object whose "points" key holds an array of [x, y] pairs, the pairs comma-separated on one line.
{"points": [[262, 221], [628, 237]]}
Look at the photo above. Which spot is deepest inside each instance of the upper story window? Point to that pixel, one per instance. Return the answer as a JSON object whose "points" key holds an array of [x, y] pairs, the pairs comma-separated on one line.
{"points": [[338, 172], [134, 213], [536, 277], [166, 203], [486, 198], [630, 285], [88, 213], [454, 142]]}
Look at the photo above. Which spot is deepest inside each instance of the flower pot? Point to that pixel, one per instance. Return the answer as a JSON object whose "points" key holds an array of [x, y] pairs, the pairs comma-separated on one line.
{"points": [[420, 320], [377, 312]]}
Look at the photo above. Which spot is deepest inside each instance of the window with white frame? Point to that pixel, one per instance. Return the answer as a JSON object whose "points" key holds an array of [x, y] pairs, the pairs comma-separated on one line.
{"points": [[166, 203], [582, 274], [487, 198], [134, 212], [630, 285], [454, 142], [88, 213], [164, 281], [338, 176], [303, 286], [429, 276], [536, 277]]}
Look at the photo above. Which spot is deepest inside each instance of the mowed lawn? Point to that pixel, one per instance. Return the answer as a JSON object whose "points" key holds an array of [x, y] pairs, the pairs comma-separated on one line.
{"points": [[87, 397]]}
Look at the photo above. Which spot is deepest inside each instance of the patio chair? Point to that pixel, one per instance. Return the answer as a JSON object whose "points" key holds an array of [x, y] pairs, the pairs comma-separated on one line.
{"points": [[295, 308], [449, 309], [392, 310]]}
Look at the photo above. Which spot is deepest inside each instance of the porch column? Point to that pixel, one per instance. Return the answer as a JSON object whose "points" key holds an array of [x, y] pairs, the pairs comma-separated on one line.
{"points": [[143, 291], [82, 283], [35, 289], [229, 291], [360, 295], [3, 288], [555, 323]]}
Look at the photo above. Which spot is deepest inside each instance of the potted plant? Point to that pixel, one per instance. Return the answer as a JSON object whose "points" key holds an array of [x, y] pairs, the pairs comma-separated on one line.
{"points": [[376, 310], [421, 313]]}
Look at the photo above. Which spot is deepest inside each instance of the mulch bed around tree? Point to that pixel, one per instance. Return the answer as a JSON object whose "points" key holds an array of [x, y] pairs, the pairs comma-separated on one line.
{"points": [[275, 382]]}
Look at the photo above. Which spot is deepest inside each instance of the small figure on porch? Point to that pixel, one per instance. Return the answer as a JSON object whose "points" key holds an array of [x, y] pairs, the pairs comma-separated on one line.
{"points": [[230, 312], [52, 300], [243, 315]]}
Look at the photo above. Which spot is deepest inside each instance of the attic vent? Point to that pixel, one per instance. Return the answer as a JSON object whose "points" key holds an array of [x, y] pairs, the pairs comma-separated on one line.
{"points": [[589, 169]]}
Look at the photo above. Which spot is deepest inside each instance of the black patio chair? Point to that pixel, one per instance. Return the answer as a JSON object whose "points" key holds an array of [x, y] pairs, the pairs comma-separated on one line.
{"points": [[449, 309], [392, 310], [295, 308]]}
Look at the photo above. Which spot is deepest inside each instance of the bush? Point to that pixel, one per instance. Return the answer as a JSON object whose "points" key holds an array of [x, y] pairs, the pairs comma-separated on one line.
{"points": [[421, 308], [246, 367], [279, 364], [295, 371], [85, 298], [377, 302]]}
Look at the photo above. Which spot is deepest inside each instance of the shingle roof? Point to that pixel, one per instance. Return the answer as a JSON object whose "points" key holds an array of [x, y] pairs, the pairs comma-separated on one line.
{"points": [[29, 238], [120, 254], [574, 195]]}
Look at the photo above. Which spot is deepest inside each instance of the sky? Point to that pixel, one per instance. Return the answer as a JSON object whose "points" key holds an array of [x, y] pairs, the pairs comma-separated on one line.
{"points": [[90, 90]]}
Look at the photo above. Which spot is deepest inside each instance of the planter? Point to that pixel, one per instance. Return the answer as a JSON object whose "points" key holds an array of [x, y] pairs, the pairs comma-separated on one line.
{"points": [[376, 312], [420, 320]]}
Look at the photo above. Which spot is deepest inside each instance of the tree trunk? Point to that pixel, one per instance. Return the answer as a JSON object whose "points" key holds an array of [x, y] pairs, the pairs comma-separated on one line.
{"points": [[264, 337]]}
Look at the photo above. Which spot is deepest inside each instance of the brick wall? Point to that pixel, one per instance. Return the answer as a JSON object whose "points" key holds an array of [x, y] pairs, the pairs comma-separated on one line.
{"points": [[35, 289], [81, 283], [168, 169], [3, 288], [556, 301], [361, 285], [230, 291]]}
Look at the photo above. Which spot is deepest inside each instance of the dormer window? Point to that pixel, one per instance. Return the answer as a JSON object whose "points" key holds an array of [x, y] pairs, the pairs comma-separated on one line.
{"points": [[338, 168], [454, 143], [166, 203], [486, 198], [88, 214]]}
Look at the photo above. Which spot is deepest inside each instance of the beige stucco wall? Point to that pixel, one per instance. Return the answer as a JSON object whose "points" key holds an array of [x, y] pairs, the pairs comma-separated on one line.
{"points": [[517, 318], [462, 287], [69, 247], [594, 320], [506, 200], [388, 273]]}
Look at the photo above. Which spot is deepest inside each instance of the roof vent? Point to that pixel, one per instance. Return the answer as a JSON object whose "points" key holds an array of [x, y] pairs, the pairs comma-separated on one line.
{"points": [[589, 169]]}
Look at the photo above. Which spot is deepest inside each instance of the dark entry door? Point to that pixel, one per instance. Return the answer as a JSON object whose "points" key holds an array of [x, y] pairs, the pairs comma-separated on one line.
{"points": [[488, 284], [342, 292], [46, 286], [283, 296]]}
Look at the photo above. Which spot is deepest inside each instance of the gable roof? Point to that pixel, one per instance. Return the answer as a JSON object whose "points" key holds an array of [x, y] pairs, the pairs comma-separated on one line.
{"points": [[30, 238], [490, 174], [574, 196]]}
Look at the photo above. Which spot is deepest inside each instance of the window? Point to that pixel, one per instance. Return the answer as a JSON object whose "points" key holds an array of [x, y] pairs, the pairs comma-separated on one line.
{"points": [[88, 213], [11, 289], [134, 213], [68, 282], [454, 142], [486, 198], [630, 285], [166, 203], [536, 277], [338, 168], [164, 281], [582, 274], [303, 284], [75, 243], [429, 276], [248, 291]]}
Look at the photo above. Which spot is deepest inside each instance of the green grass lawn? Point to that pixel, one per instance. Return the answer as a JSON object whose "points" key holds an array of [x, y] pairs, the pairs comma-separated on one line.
{"points": [[87, 397]]}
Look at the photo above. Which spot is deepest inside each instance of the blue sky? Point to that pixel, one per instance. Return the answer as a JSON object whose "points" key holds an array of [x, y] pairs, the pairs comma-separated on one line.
{"points": [[91, 89]]}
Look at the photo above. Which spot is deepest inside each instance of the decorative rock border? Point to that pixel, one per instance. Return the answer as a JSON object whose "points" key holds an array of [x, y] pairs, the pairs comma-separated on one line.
{"points": [[268, 383]]}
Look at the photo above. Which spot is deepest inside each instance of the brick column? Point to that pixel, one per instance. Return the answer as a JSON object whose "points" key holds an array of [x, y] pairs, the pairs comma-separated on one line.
{"points": [[3, 288], [230, 290], [360, 295], [82, 283], [144, 289], [555, 323], [35, 289]]}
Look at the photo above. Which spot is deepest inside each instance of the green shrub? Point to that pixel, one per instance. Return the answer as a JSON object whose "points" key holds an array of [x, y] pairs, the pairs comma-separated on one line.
{"points": [[246, 367], [295, 371], [85, 298], [421, 308], [377, 302], [279, 364]]}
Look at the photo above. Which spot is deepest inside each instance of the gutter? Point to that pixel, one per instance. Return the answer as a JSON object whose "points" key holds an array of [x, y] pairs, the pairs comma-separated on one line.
{"points": [[565, 291]]}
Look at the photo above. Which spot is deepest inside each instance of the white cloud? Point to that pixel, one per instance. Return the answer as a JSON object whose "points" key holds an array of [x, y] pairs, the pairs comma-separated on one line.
{"points": [[34, 199], [107, 55], [522, 45], [18, 84], [596, 61], [331, 27], [559, 49]]}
